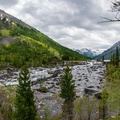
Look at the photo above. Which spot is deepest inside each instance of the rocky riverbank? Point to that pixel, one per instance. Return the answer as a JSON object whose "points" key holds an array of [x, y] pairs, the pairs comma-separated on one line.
{"points": [[88, 76]]}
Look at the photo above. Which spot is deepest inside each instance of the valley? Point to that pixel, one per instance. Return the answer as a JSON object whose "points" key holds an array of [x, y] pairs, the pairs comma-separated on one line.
{"points": [[87, 85]]}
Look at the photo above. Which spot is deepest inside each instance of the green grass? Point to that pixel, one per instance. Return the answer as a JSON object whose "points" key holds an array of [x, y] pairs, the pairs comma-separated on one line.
{"points": [[5, 32]]}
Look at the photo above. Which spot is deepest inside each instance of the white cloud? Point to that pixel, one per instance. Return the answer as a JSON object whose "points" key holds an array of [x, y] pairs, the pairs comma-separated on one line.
{"points": [[72, 23]]}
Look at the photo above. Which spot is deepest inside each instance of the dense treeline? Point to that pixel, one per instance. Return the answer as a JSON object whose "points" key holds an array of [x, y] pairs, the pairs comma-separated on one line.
{"points": [[115, 58], [22, 53], [113, 80], [112, 84]]}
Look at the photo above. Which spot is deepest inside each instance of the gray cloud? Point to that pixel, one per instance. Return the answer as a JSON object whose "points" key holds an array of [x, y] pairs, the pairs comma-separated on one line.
{"points": [[8, 3], [72, 23]]}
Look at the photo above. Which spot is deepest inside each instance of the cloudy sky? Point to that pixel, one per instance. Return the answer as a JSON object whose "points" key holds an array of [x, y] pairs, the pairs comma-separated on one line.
{"points": [[72, 23]]}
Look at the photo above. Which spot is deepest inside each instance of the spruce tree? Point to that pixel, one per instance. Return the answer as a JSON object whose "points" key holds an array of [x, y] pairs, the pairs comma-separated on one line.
{"points": [[67, 93], [25, 107], [112, 60]]}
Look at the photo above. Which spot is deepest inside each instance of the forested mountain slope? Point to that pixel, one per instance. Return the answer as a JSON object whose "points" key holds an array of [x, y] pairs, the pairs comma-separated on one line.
{"points": [[22, 44]]}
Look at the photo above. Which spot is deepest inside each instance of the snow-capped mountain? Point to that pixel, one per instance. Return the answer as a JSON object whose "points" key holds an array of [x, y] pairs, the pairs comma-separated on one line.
{"points": [[88, 52]]}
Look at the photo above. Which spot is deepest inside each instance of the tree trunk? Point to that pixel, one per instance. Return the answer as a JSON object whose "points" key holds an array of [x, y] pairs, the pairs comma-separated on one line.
{"points": [[67, 111]]}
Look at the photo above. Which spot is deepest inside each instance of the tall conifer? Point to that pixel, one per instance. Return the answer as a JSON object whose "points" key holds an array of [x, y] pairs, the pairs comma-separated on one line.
{"points": [[25, 107], [67, 93]]}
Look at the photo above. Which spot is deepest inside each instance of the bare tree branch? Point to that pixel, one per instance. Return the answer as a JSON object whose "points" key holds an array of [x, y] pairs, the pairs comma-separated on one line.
{"points": [[109, 20], [114, 8]]}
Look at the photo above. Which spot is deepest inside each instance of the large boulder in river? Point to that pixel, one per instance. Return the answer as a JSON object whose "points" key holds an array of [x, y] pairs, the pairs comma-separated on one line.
{"points": [[90, 90]]}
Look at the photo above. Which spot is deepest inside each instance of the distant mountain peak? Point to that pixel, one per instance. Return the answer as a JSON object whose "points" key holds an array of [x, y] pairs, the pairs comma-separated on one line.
{"points": [[88, 52]]}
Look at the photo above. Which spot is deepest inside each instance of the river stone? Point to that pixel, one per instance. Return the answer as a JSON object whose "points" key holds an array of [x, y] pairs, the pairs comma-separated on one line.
{"points": [[90, 91]]}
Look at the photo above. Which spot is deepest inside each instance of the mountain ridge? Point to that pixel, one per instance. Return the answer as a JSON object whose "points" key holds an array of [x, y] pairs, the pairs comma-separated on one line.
{"points": [[110, 51], [12, 18], [22, 44]]}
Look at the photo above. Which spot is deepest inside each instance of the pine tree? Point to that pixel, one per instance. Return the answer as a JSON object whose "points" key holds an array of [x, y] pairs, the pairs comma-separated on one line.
{"points": [[67, 93], [25, 107], [112, 59]]}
